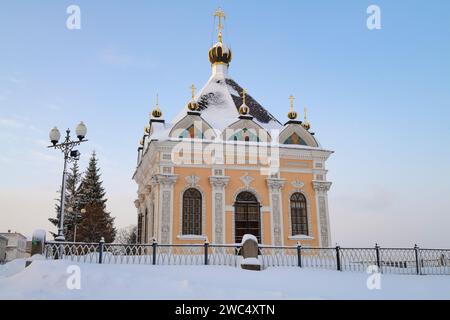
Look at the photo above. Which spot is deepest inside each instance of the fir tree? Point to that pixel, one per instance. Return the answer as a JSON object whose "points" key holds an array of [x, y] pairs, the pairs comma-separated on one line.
{"points": [[91, 189], [72, 200], [96, 222]]}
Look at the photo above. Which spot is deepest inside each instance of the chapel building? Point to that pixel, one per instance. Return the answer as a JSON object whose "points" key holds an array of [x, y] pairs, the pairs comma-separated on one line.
{"points": [[225, 167]]}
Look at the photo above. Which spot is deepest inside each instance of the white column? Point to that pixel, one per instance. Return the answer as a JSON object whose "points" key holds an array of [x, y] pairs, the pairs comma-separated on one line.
{"points": [[276, 217], [166, 182], [321, 189], [218, 184]]}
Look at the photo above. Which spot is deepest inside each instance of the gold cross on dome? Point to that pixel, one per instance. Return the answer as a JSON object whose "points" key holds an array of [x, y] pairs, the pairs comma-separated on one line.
{"points": [[244, 93], [193, 91], [291, 98], [305, 111], [220, 14]]}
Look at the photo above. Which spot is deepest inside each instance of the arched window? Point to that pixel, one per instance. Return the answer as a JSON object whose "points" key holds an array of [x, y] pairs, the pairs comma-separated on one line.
{"points": [[299, 216], [192, 212]]}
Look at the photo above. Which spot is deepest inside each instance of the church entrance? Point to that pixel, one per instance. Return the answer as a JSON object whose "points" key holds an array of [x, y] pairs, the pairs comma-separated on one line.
{"points": [[247, 216]]}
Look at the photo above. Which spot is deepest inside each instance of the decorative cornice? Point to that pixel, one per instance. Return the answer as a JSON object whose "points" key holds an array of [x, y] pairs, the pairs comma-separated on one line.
{"points": [[165, 180], [275, 184], [321, 185], [247, 179], [219, 182], [192, 180]]}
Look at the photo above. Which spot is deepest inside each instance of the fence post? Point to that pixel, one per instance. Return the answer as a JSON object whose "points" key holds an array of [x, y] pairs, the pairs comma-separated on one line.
{"points": [[299, 254], [101, 247], [338, 258], [416, 252], [377, 250], [206, 252], [154, 245]]}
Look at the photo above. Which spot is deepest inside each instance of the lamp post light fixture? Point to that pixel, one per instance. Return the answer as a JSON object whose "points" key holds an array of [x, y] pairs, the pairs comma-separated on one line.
{"points": [[69, 155]]}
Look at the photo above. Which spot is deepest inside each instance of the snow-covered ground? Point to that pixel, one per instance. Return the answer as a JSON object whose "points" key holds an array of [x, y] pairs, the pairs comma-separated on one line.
{"points": [[48, 280]]}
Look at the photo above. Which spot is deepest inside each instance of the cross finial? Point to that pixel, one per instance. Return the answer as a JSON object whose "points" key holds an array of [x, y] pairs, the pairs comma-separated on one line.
{"points": [[244, 93], [157, 100], [291, 98], [305, 111], [220, 14], [193, 91]]}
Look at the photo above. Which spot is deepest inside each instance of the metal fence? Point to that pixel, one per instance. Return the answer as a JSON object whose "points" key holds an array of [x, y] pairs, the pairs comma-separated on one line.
{"points": [[388, 260]]}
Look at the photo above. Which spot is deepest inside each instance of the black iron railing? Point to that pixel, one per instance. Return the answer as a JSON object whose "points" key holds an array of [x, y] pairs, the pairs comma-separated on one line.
{"points": [[388, 260]]}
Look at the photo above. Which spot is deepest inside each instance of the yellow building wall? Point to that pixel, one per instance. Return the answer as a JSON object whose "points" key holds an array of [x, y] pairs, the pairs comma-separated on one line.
{"points": [[259, 184]]}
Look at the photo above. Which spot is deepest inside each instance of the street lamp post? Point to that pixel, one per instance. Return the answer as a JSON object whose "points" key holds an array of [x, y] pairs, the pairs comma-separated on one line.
{"points": [[69, 155]]}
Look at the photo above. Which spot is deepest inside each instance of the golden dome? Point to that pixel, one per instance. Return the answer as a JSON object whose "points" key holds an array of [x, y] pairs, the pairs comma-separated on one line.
{"points": [[147, 130], [220, 53], [244, 110], [292, 115], [156, 113], [193, 105], [305, 123], [141, 142]]}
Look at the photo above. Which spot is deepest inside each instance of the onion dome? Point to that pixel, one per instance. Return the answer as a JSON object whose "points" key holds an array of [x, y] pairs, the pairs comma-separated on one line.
{"points": [[141, 142], [220, 53], [193, 105], [147, 130], [292, 115], [305, 122], [156, 113], [244, 109]]}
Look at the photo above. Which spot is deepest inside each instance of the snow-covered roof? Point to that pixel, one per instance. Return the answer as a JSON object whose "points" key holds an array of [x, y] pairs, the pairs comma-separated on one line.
{"points": [[219, 101]]}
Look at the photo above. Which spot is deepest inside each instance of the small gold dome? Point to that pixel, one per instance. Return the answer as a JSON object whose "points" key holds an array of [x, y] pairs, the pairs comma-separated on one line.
{"points": [[244, 110], [306, 125], [292, 115], [141, 142], [193, 106], [220, 53], [147, 130], [157, 113]]}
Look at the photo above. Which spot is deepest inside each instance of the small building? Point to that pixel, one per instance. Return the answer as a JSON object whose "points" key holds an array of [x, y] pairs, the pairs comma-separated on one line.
{"points": [[3, 245], [226, 167], [16, 246]]}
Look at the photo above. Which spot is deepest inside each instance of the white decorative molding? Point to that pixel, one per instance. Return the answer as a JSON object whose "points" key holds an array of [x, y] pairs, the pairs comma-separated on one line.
{"points": [[137, 203], [300, 237], [275, 185], [247, 180], [297, 184], [192, 180], [192, 237], [218, 207], [321, 186], [219, 181]]}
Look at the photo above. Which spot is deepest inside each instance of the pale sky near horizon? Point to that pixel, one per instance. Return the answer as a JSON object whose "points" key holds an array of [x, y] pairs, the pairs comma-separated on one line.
{"points": [[380, 99]]}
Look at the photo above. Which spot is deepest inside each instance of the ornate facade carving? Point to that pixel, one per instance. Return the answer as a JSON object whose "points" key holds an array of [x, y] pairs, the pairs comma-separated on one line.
{"points": [[247, 180], [219, 184], [275, 186]]}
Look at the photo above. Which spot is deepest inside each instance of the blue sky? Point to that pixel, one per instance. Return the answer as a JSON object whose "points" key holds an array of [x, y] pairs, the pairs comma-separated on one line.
{"points": [[379, 98]]}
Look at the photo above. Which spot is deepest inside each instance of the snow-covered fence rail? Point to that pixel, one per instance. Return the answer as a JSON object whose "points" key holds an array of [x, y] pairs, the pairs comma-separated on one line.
{"points": [[388, 260]]}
